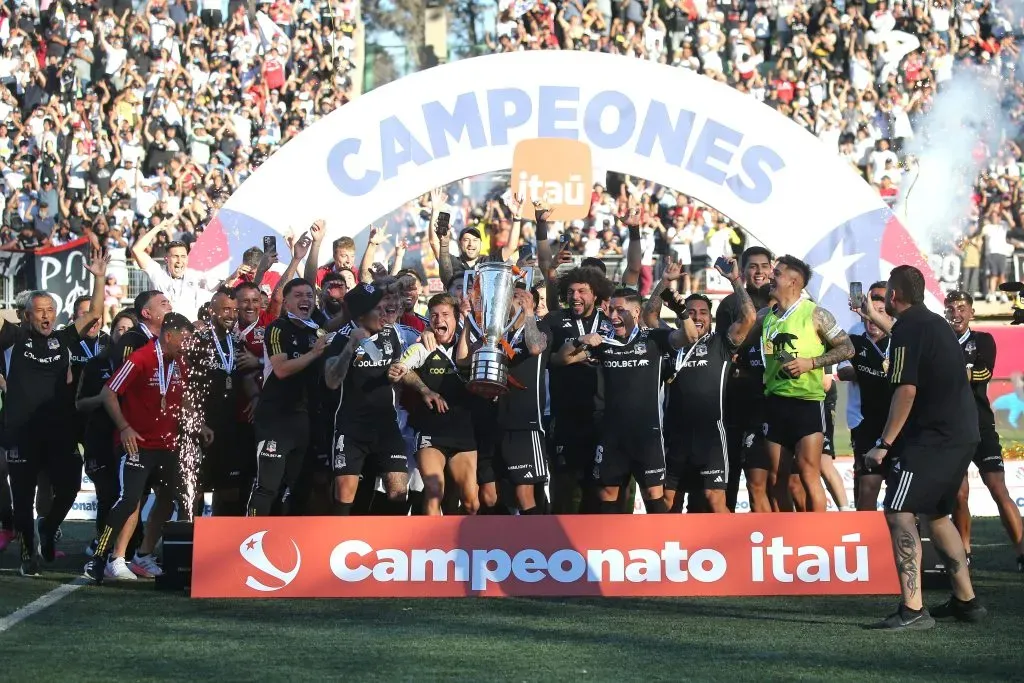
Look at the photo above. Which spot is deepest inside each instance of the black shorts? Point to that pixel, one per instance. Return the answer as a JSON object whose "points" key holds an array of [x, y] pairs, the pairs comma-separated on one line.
{"points": [[863, 441], [160, 467], [640, 453], [286, 436], [521, 457], [925, 479], [573, 446], [697, 460], [224, 461], [449, 445], [791, 419], [384, 453], [828, 446], [988, 457], [755, 449], [485, 433]]}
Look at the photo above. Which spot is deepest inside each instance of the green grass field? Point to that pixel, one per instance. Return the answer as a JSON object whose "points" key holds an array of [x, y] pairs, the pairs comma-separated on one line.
{"points": [[132, 630]]}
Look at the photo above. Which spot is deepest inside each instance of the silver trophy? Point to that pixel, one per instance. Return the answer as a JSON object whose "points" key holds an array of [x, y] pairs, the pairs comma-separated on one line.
{"points": [[489, 288]]}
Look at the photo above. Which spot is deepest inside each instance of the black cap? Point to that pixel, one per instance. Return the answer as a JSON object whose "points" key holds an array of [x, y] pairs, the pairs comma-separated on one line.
{"points": [[470, 231], [362, 299]]}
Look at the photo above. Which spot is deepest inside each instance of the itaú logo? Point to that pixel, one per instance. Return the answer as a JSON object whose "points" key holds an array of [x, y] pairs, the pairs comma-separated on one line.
{"points": [[255, 553]]}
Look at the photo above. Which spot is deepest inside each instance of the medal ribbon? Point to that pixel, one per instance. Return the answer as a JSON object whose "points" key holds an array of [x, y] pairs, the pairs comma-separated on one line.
{"points": [[228, 359], [164, 381]]}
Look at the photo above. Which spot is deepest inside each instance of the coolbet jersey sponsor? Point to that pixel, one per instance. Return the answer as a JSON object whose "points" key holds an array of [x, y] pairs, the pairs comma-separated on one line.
{"points": [[869, 397], [289, 394], [980, 358], [153, 416], [576, 391], [38, 375], [438, 371], [524, 408], [632, 377], [925, 354], [792, 332], [697, 391], [367, 397]]}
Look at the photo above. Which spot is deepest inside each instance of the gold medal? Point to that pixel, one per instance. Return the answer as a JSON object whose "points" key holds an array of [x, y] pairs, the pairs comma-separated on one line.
{"points": [[227, 383], [163, 403], [320, 332], [885, 365], [768, 348]]}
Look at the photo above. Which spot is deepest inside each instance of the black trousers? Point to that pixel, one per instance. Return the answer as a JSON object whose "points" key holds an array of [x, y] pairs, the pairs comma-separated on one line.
{"points": [[6, 504], [281, 453], [135, 473], [104, 473], [42, 450]]}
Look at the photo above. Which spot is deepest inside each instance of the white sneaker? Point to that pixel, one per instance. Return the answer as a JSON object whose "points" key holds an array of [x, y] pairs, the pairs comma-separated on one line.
{"points": [[117, 569], [146, 567]]}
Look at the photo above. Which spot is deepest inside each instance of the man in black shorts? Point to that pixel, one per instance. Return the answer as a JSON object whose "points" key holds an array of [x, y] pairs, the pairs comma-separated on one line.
{"points": [[39, 412], [522, 459], [931, 435], [442, 411], [366, 422], [979, 350], [631, 440], [698, 452], [293, 345], [869, 395], [744, 393], [576, 393]]}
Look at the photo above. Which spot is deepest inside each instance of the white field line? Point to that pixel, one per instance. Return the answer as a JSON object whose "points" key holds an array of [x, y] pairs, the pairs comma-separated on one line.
{"points": [[39, 604]]}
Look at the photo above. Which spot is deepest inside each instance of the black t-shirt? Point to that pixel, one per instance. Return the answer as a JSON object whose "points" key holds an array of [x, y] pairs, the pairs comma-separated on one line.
{"points": [[576, 392], [441, 376], [873, 392], [524, 408], [98, 438], [979, 350], [925, 354], [744, 393], [291, 394], [130, 342], [207, 387], [367, 397], [38, 382], [696, 394], [81, 352], [632, 379]]}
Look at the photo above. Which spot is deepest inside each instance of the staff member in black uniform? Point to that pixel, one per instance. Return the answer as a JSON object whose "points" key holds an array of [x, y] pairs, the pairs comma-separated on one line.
{"points": [[979, 350], [931, 434], [443, 418], [576, 395], [631, 441], [869, 396], [293, 344], [698, 461], [39, 396], [521, 454], [366, 422], [744, 393]]}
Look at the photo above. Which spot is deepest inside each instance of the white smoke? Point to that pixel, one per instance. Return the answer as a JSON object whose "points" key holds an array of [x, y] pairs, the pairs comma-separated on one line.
{"points": [[936, 190]]}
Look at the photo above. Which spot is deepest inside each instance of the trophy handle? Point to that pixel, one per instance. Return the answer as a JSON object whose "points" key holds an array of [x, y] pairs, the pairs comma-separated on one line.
{"points": [[467, 276]]}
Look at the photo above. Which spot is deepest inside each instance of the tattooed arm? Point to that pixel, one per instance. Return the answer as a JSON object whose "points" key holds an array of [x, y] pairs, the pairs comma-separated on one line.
{"points": [[834, 336], [740, 329], [336, 368], [433, 400]]}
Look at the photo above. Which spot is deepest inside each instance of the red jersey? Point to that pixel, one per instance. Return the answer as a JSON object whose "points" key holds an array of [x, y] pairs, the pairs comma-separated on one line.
{"points": [[414, 320], [331, 268], [252, 335], [137, 382]]}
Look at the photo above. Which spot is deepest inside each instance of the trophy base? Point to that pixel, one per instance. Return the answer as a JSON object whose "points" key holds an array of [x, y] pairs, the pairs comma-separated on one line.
{"points": [[489, 375], [486, 388]]}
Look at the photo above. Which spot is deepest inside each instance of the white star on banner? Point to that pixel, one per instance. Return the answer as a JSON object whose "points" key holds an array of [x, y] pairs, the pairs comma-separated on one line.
{"points": [[833, 271]]}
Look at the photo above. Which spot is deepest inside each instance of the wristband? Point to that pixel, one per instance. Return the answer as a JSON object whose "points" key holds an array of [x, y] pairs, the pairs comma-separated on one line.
{"points": [[883, 445], [634, 232], [542, 231]]}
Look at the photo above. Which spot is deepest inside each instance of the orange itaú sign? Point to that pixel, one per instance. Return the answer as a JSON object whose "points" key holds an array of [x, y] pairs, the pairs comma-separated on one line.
{"points": [[627, 555]]}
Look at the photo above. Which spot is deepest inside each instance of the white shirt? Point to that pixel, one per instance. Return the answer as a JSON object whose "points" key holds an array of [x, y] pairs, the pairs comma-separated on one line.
{"points": [[186, 294]]}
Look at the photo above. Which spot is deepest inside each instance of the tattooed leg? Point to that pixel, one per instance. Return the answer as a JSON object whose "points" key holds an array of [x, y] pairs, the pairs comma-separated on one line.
{"points": [[949, 544], [906, 546]]}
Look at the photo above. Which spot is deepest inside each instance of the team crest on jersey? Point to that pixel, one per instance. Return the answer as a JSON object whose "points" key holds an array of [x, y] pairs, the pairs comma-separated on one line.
{"points": [[270, 447], [257, 334], [388, 349], [970, 347], [640, 349], [53, 343], [701, 350]]}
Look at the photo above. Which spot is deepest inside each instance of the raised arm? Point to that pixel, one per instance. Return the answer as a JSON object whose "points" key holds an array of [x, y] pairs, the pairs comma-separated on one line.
{"points": [[336, 368], [652, 308], [139, 249], [740, 328], [316, 233], [635, 252], [377, 237], [98, 268]]}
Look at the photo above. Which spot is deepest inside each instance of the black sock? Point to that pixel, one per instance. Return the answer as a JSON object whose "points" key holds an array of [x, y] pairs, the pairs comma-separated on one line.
{"points": [[341, 509], [656, 506], [416, 502], [535, 510], [608, 507], [496, 509], [912, 611]]}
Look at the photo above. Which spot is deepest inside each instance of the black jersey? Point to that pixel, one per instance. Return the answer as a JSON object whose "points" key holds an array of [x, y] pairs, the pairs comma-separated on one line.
{"points": [[98, 436], [291, 394], [39, 389], [576, 391], [980, 357], [81, 353], [211, 388], [869, 398], [631, 372], [524, 408], [697, 392], [367, 397], [130, 342], [438, 371]]}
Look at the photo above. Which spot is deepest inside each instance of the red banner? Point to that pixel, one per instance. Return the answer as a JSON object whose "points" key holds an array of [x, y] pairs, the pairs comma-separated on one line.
{"points": [[617, 555]]}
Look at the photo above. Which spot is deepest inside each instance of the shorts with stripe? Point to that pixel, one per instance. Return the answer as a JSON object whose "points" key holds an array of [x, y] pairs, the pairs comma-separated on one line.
{"points": [[925, 479], [697, 459], [624, 452], [449, 445], [788, 420], [521, 458]]}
